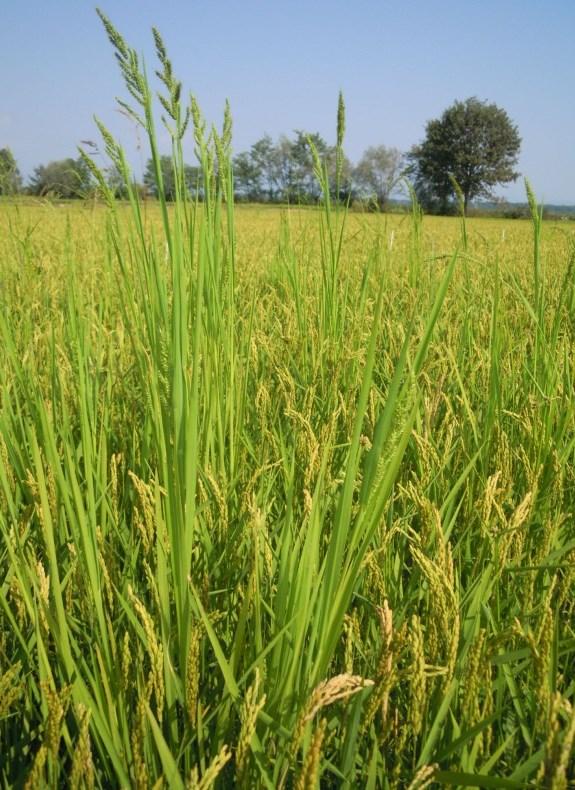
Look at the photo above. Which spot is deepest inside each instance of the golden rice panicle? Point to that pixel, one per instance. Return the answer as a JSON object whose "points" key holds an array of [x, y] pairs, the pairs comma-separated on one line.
{"points": [[138, 741], [251, 708], [82, 773], [10, 688], [151, 584], [490, 502], [10, 477], [126, 661], [541, 652], [309, 774], [155, 651], [417, 684], [327, 692], [540, 648], [105, 571], [429, 460], [562, 779], [211, 773], [43, 595], [541, 545], [144, 518], [337, 688], [193, 674], [220, 500], [385, 674], [375, 578], [74, 576], [424, 777], [442, 614], [17, 600], [452, 650], [57, 704], [557, 771], [352, 638], [472, 680], [259, 530], [517, 525], [116, 463], [36, 777], [565, 598]]}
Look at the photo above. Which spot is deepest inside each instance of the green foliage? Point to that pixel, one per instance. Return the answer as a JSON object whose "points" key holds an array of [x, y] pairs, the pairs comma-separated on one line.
{"points": [[285, 171], [191, 175], [474, 142], [282, 507], [248, 177], [262, 157], [65, 178], [377, 173], [10, 178]]}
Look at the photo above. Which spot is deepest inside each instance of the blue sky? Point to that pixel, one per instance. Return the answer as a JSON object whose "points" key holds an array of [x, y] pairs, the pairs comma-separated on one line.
{"points": [[282, 62]]}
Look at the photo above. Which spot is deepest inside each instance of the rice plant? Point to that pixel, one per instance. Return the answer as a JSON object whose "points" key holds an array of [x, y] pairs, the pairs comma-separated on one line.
{"points": [[285, 498]]}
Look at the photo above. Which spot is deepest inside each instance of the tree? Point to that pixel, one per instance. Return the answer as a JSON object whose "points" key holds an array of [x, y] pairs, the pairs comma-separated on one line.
{"points": [[293, 166], [377, 173], [474, 143], [285, 170], [305, 182], [65, 178], [262, 155], [192, 177], [247, 176], [10, 178], [116, 182]]}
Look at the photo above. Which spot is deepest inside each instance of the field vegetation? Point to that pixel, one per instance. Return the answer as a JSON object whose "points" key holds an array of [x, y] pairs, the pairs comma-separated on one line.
{"points": [[286, 497]]}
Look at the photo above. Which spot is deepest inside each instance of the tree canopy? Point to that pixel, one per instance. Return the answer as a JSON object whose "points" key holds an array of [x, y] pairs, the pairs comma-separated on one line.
{"points": [[192, 177], [285, 170], [10, 178], [473, 142], [64, 178], [466, 152], [378, 172]]}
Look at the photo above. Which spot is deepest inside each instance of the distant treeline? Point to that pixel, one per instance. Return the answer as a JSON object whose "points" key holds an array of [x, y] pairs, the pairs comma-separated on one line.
{"points": [[270, 171]]}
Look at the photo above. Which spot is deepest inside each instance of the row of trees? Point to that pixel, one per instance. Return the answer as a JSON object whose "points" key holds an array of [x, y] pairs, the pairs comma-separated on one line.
{"points": [[274, 172], [65, 178], [466, 152], [284, 171]]}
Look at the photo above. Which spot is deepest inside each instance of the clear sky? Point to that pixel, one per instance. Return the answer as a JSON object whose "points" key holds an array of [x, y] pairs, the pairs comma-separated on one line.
{"points": [[282, 62]]}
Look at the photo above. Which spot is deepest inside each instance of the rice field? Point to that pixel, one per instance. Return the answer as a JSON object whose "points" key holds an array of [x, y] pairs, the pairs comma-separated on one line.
{"points": [[286, 495]]}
